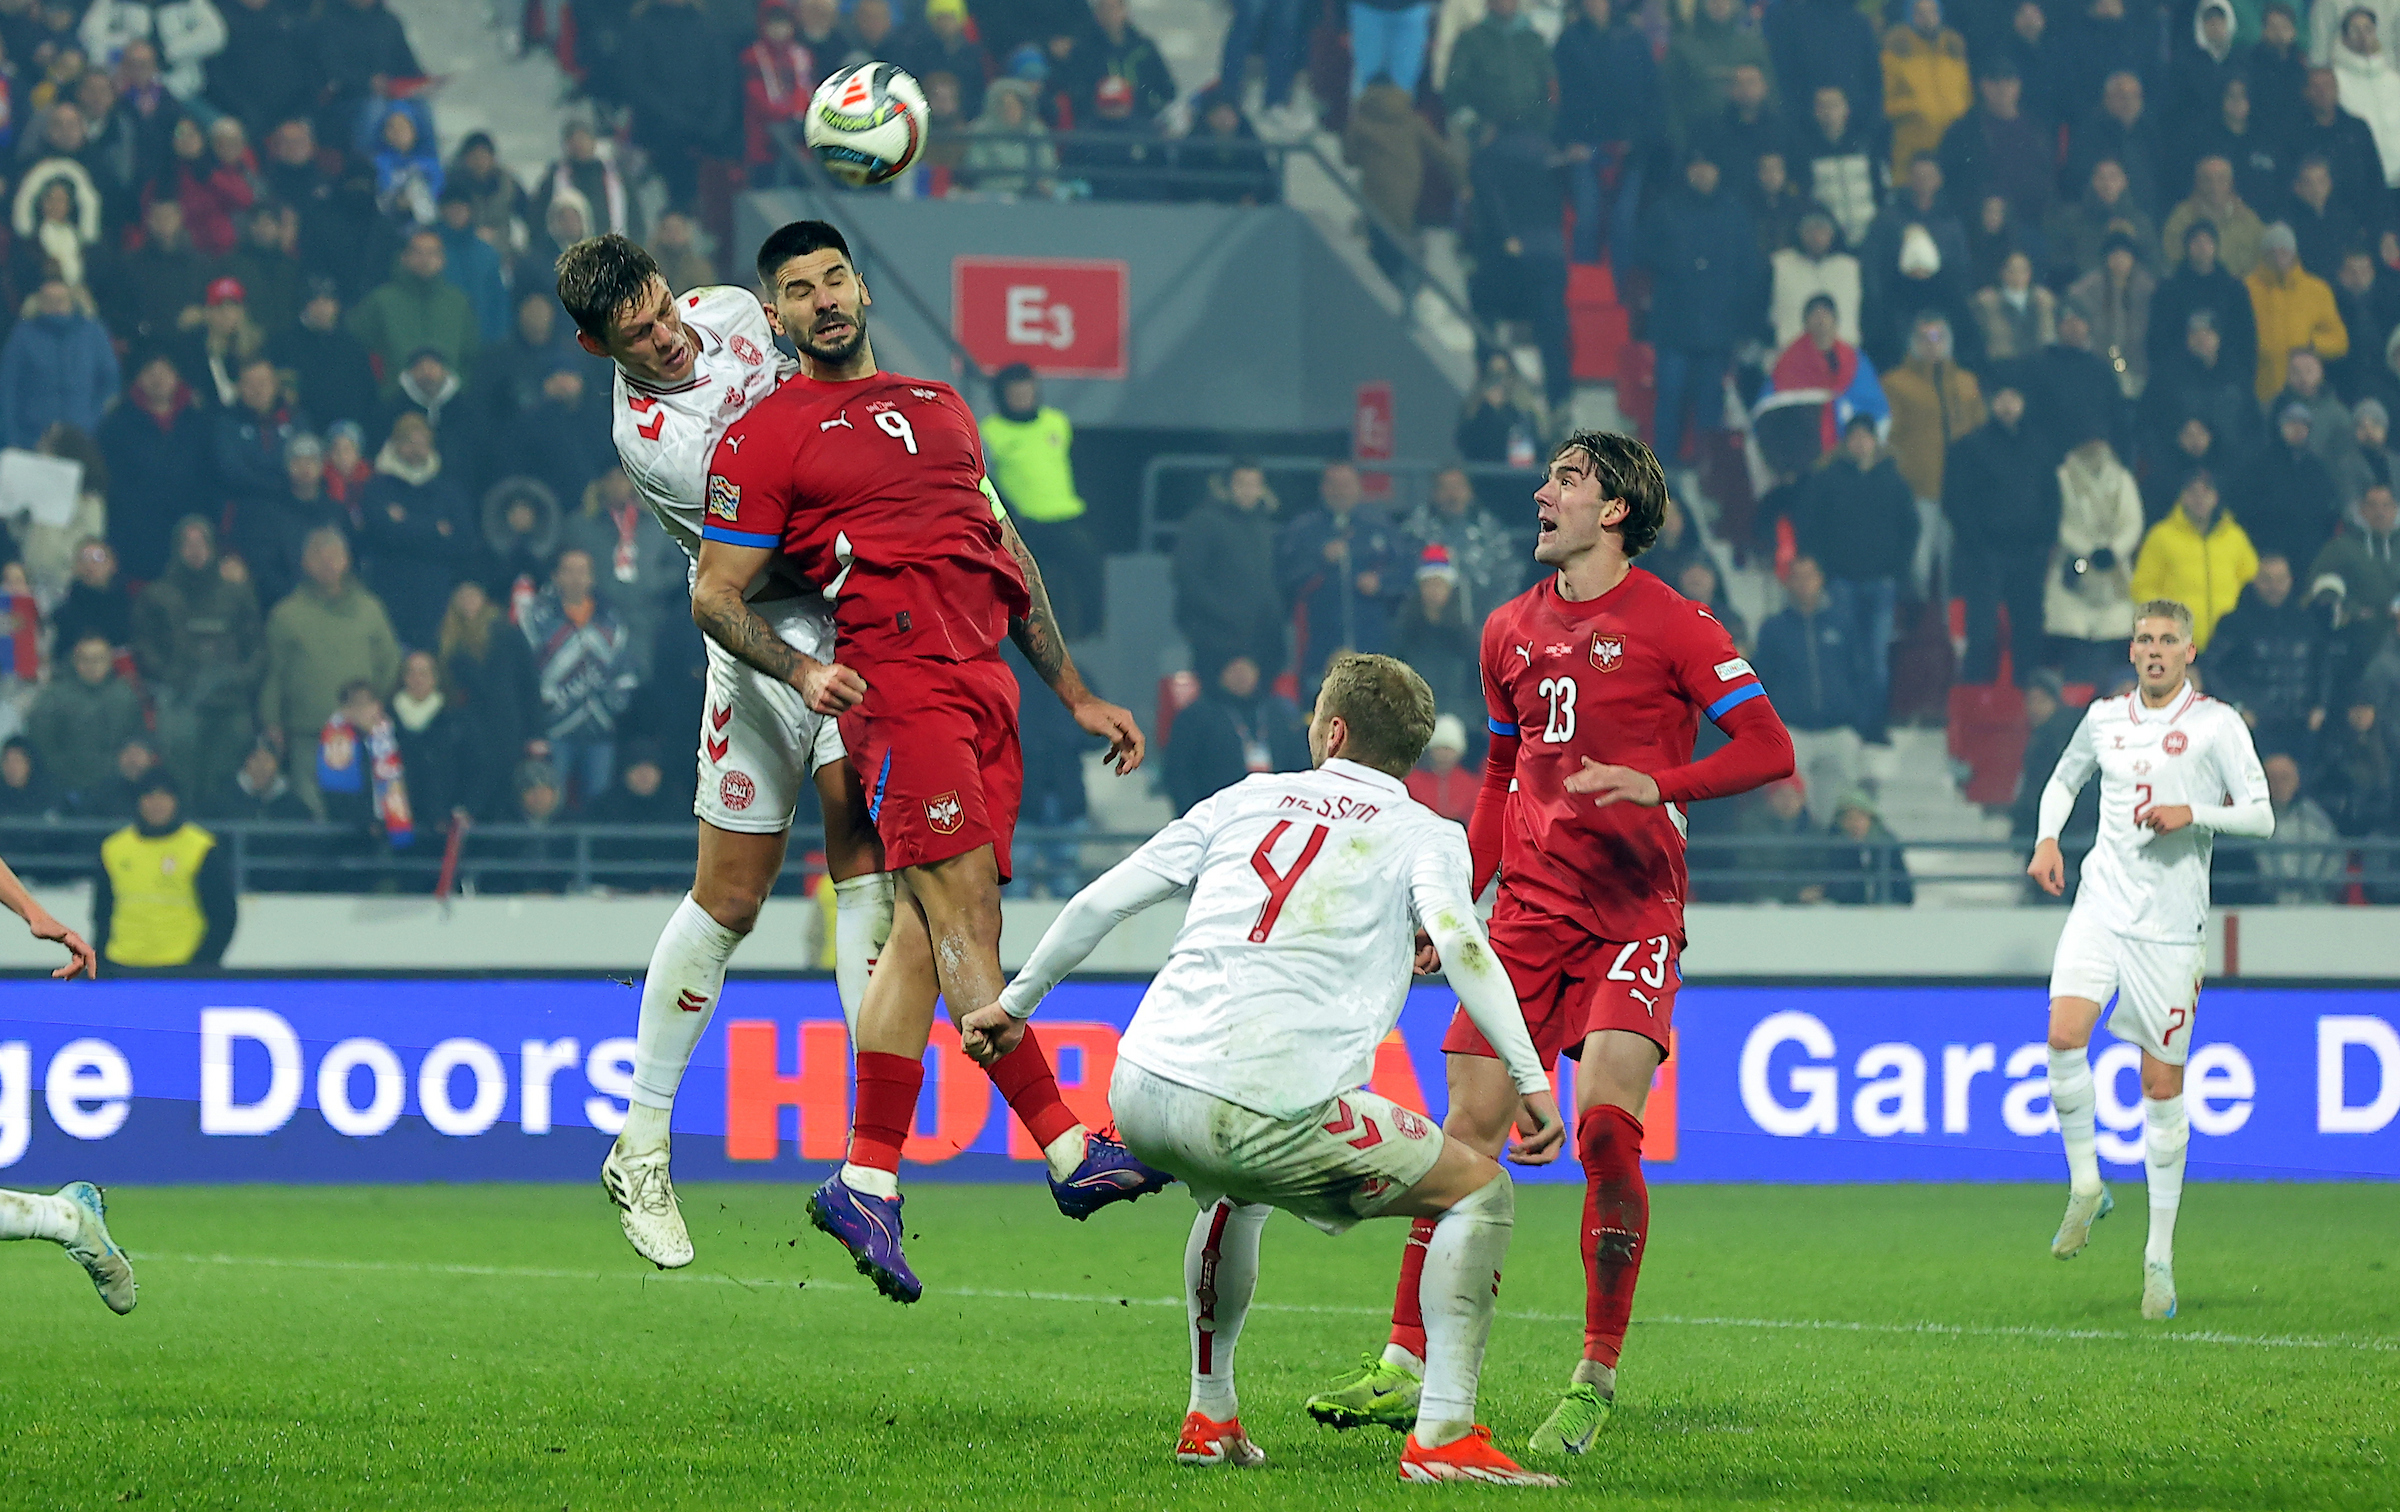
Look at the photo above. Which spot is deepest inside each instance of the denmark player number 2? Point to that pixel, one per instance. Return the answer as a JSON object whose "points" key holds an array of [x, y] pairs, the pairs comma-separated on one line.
{"points": [[1560, 691], [895, 425], [1652, 975]]}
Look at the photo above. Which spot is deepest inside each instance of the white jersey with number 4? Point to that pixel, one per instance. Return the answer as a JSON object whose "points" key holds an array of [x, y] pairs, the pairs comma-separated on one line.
{"points": [[1294, 957], [2138, 883]]}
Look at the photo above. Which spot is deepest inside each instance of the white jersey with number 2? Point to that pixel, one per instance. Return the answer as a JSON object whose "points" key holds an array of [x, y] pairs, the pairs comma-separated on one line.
{"points": [[1307, 890], [2136, 882]]}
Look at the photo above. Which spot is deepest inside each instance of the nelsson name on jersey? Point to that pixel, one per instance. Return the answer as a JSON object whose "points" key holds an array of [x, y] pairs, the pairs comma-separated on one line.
{"points": [[758, 741], [1294, 956], [2137, 883]]}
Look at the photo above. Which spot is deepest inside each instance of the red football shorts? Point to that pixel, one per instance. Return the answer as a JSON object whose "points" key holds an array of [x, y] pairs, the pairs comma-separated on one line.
{"points": [[935, 747], [1572, 985]]}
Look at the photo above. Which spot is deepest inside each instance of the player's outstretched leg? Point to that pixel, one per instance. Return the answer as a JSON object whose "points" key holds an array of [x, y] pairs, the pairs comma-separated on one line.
{"points": [[1616, 1228], [679, 996], [2166, 1139], [1460, 1294], [76, 1218], [1385, 1388], [1220, 1273]]}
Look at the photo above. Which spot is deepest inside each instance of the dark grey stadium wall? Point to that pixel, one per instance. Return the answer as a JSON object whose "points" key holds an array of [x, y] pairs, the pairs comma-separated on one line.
{"points": [[1242, 319]]}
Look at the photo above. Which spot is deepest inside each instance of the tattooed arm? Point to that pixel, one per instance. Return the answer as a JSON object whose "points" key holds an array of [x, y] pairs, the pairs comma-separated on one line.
{"points": [[725, 617], [1037, 635]]}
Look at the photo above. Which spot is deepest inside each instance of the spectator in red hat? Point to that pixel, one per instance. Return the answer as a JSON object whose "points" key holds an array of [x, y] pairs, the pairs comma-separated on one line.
{"points": [[1433, 634], [225, 337], [1445, 781]]}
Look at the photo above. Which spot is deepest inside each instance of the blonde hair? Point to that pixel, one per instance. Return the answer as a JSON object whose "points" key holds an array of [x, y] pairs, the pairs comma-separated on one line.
{"points": [[2166, 609], [1387, 706]]}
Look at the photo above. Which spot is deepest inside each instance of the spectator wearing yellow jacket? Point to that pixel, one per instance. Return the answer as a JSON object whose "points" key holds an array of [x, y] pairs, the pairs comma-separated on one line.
{"points": [[1925, 83], [2295, 310], [2197, 557]]}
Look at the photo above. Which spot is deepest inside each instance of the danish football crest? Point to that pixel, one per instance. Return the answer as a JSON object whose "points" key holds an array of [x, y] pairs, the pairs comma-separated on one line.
{"points": [[736, 791], [747, 350], [1608, 652], [2176, 743], [944, 815]]}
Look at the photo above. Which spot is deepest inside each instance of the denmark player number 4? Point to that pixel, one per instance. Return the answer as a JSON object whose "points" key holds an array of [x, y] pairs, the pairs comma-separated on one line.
{"points": [[1280, 884]]}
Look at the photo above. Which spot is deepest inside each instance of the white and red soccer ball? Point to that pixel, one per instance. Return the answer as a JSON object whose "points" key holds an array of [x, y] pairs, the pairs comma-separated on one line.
{"points": [[867, 123]]}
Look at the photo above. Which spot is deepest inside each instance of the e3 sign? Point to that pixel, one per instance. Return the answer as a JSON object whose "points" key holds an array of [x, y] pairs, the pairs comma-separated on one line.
{"points": [[1063, 317]]}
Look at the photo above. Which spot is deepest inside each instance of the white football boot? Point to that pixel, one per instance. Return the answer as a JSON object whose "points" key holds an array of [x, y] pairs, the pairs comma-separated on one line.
{"points": [[645, 1199]]}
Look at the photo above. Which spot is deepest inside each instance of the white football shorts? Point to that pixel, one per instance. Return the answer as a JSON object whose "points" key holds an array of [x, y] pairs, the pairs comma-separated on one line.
{"points": [[759, 743], [2156, 983], [1348, 1160]]}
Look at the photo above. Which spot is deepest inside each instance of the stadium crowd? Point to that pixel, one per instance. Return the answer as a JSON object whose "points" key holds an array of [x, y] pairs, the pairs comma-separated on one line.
{"points": [[2044, 308]]}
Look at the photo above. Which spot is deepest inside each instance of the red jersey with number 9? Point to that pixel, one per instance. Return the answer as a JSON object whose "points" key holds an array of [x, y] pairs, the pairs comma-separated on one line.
{"points": [[873, 489], [1622, 679]]}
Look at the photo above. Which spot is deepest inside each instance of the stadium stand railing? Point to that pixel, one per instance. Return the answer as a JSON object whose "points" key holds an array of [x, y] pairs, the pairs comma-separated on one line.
{"points": [[583, 858]]}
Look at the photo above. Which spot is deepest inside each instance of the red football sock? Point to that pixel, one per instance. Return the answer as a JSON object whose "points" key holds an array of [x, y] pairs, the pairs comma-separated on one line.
{"points": [[1408, 1311], [1024, 1077], [887, 1106], [1616, 1225]]}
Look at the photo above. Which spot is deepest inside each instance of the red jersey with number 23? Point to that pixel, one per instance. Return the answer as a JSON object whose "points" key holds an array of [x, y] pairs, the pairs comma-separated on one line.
{"points": [[1622, 679], [874, 489]]}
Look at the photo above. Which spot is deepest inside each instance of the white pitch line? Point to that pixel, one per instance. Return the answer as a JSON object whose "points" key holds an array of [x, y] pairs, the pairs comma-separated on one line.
{"points": [[1808, 1325]]}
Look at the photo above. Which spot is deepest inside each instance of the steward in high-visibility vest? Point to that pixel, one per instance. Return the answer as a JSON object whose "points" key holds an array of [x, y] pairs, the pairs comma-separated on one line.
{"points": [[163, 899]]}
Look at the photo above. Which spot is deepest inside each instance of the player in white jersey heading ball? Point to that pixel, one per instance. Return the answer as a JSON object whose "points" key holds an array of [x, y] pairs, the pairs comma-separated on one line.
{"points": [[2176, 770], [1242, 1070], [688, 366]]}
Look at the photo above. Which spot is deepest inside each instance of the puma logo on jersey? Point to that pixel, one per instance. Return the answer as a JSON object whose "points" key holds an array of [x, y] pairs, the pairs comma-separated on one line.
{"points": [[1649, 1003], [1527, 653], [842, 420], [734, 443]]}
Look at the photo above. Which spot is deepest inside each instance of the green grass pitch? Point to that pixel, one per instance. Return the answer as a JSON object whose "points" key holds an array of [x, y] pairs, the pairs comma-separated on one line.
{"points": [[500, 1347]]}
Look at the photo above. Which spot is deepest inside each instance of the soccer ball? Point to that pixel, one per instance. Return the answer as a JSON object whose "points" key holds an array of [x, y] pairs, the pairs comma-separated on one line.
{"points": [[866, 124]]}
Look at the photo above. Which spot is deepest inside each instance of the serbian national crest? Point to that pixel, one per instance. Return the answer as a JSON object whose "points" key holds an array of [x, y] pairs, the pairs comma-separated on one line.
{"points": [[945, 814], [1608, 651], [746, 349]]}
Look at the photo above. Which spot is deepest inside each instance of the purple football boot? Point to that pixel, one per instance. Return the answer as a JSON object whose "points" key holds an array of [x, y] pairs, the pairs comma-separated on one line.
{"points": [[1109, 1173], [869, 1228]]}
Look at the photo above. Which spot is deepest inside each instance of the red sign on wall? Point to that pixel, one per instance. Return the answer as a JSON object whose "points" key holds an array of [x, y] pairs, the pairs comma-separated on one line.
{"points": [[1372, 435], [1063, 317]]}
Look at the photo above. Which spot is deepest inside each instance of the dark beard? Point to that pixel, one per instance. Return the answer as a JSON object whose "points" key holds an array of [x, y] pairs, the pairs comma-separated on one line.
{"points": [[840, 353]]}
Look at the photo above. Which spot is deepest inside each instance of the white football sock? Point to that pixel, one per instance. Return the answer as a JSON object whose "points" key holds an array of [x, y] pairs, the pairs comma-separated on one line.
{"points": [[2166, 1140], [870, 1181], [1458, 1296], [1066, 1152], [37, 1215], [1593, 1373], [862, 922], [2072, 1096], [645, 1130], [679, 996], [1394, 1354], [1220, 1273]]}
